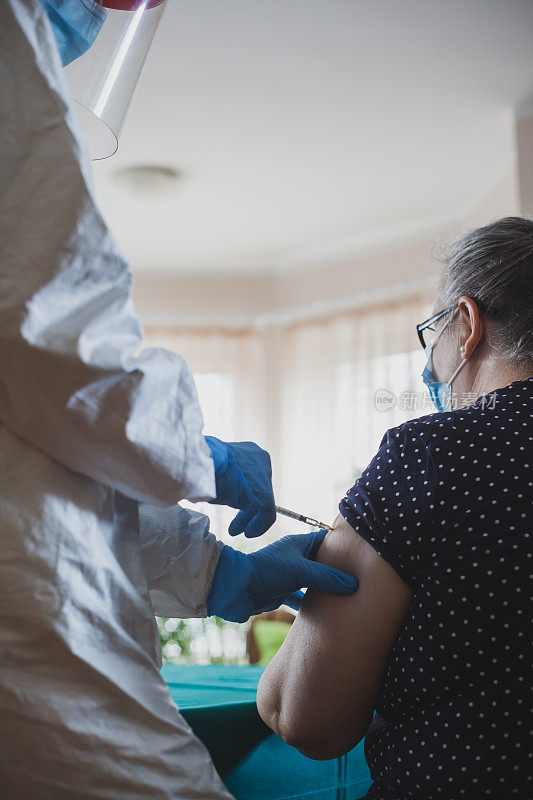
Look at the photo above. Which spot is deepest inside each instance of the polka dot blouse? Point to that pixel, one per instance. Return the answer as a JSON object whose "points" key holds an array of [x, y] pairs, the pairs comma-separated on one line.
{"points": [[448, 502]]}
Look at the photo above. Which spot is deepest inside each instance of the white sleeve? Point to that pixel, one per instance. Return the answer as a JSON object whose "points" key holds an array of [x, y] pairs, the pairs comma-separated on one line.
{"points": [[71, 383], [179, 558]]}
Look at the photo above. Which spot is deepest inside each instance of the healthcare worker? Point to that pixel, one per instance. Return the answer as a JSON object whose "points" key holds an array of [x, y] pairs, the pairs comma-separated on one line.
{"points": [[97, 446]]}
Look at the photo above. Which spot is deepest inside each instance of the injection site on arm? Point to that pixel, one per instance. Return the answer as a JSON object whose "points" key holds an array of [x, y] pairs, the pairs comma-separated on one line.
{"points": [[319, 691]]}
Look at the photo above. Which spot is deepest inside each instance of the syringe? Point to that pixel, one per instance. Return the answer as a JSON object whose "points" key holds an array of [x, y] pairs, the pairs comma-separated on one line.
{"points": [[302, 518]]}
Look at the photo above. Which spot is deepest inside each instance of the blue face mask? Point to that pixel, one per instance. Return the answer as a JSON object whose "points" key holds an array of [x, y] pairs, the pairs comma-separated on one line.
{"points": [[440, 391], [76, 24]]}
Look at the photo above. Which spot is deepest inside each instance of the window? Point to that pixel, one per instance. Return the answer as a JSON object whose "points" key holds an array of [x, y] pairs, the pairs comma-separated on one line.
{"points": [[319, 396]]}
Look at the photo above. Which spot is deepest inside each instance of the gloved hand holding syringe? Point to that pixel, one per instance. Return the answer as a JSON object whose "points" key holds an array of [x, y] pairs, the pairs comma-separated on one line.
{"points": [[243, 477], [245, 584]]}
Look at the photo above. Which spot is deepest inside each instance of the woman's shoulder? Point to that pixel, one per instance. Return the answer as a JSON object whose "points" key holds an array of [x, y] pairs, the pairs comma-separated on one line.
{"points": [[430, 429], [413, 431], [461, 424]]}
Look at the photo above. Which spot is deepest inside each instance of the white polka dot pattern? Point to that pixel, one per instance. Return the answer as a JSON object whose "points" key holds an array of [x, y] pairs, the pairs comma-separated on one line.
{"points": [[448, 502]]}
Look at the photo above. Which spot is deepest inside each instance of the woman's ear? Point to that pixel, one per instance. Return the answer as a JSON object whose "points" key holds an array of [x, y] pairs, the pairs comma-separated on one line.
{"points": [[471, 327]]}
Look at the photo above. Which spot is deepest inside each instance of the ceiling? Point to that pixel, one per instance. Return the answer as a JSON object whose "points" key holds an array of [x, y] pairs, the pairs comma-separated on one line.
{"points": [[305, 129]]}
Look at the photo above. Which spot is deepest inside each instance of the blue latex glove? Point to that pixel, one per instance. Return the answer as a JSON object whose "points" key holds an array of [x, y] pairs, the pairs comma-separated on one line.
{"points": [[246, 584], [243, 476]]}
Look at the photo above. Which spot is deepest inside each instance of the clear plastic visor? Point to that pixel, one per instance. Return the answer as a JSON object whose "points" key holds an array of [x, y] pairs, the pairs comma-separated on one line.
{"points": [[103, 80]]}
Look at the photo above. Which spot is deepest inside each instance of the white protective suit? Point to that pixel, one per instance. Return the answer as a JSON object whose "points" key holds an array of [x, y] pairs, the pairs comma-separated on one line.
{"points": [[87, 431]]}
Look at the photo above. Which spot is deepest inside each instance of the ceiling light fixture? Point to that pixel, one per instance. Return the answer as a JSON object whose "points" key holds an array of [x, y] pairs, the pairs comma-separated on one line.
{"points": [[148, 178]]}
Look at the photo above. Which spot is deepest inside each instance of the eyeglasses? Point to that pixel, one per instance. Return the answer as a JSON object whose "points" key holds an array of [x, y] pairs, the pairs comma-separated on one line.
{"points": [[429, 324]]}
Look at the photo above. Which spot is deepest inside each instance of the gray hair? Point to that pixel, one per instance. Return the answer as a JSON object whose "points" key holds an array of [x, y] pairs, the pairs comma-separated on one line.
{"points": [[494, 266]]}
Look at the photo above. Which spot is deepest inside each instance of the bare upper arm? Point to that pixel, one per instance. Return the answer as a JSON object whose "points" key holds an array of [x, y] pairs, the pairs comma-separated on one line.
{"points": [[319, 691]]}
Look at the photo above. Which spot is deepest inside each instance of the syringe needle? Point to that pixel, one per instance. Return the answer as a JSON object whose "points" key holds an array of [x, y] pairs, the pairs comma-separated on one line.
{"points": [[302, 518]]}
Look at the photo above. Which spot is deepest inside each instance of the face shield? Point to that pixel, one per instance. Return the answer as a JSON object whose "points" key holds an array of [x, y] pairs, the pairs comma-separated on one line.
{"points": [[103, 80]]}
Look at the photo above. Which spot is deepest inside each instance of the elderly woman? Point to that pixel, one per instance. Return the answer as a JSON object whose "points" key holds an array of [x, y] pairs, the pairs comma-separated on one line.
{"points": [[430, 659]]}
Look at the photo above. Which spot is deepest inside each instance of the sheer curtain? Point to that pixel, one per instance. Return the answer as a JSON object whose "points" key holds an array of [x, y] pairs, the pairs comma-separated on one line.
{"points": [[346, 380], [311, 393]]}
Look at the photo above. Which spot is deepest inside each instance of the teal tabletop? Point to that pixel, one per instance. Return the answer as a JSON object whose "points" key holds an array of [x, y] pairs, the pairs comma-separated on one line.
{"points": [[219, 704]]}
